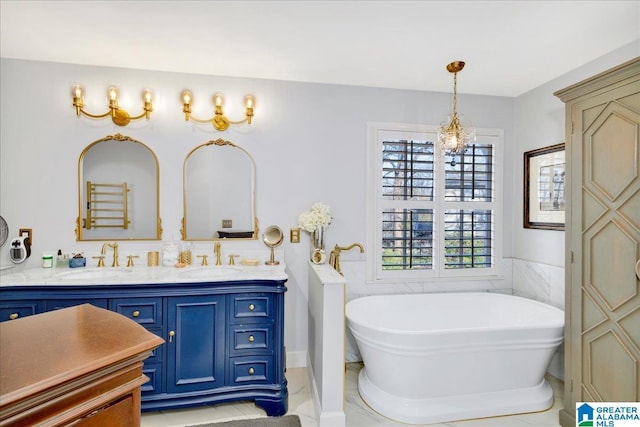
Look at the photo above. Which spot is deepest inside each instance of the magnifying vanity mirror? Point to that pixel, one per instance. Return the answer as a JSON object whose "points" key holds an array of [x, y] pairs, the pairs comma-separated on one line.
{"points": [[219, 193], [273, 237], [118, 191]]}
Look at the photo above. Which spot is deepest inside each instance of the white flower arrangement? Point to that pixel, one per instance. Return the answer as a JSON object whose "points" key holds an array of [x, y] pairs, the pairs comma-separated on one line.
{"points": [[319, 215]]}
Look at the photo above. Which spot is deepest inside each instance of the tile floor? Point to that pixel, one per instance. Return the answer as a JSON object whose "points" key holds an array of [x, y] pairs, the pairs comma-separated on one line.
{"points": [[358, 414]]}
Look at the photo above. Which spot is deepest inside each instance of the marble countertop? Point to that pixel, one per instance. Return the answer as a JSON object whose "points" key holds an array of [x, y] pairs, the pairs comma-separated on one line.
{"points": [[140, 275]]}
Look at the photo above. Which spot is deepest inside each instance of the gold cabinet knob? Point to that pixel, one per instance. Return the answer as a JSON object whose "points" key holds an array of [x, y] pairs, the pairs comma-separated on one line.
{"points": [[251, 371], [171, 335], [251, 338], [136, 313], [14, 316], [252, 307]]}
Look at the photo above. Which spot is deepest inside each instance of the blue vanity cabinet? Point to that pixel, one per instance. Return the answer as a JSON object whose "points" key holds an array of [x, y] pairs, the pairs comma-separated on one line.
{"points": [[224, 341]]}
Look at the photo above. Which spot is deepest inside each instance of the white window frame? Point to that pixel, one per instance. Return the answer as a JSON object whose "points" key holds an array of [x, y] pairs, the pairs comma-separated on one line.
{"points": [[377, 132]]}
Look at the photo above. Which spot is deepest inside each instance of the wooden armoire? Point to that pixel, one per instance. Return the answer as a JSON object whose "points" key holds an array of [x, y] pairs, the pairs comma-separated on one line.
{"points": [[602, 329]]}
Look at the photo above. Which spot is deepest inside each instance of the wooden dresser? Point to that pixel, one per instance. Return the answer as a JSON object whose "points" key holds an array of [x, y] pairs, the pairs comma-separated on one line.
{"points": [[79, 366]]}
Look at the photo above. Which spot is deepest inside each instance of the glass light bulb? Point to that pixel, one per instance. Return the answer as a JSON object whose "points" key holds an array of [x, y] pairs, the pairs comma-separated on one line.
{"points": [[218, 100], [112, 92], [187, 97], [77, 91], [249, 101], [147, 94], [452, 141]]}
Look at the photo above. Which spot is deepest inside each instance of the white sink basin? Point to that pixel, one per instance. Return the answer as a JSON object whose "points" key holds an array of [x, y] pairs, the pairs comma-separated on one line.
{"points": [[208, 272], [93, 273]]}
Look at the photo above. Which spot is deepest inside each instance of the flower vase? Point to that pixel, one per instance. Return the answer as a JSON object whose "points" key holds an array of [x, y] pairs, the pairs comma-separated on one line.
{"points": [[318, 255]]}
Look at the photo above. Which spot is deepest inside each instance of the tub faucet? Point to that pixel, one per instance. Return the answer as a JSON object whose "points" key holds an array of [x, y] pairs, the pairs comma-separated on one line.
{"points": [[334, 256], [103, 253]]}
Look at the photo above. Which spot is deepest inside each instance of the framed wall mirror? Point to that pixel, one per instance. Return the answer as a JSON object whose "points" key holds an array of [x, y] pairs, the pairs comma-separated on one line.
{"points": [[219, 182], [544, 188], [118, 191]]}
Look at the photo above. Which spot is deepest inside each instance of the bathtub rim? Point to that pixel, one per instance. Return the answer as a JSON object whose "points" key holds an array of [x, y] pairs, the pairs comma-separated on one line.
{"points": [[441, 331]]}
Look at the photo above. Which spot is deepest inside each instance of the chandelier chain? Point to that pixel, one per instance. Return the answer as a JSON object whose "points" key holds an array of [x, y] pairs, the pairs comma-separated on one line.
{"points": [[455, 94]]}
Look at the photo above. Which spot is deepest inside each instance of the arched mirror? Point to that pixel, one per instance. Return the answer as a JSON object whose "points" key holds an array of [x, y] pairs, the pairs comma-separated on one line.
{"points": [[118, 191], [219, 193]]}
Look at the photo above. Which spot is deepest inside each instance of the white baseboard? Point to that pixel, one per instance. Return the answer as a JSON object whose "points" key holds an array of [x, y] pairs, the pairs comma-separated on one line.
{"points": [[313, 388]]}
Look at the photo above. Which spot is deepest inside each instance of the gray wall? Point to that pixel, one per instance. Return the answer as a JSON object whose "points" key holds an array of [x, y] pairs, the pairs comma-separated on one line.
{"points": [[539, 122]]}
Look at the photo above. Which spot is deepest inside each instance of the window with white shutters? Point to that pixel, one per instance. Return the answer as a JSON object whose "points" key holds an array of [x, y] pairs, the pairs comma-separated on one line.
{"points": [[433, 214]]}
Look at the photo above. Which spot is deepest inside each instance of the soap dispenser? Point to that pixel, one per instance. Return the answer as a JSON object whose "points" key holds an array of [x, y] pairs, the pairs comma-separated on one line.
{"points": [[62, 260]]}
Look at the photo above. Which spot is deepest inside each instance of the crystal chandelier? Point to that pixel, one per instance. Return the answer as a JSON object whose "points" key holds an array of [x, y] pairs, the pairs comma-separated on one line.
{"points": [[453, 137]]}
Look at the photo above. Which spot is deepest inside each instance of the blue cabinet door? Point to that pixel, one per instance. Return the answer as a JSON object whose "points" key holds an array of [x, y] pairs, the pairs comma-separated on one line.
{"points": [[196, 343]]}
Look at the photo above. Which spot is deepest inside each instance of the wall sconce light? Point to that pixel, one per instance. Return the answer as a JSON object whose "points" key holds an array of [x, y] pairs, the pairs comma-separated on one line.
{"points": [[119, 116], [453, 136], [219, 120]]}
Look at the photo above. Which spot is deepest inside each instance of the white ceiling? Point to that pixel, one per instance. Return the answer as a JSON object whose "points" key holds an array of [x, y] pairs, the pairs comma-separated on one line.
{"points": [[510, 46]]}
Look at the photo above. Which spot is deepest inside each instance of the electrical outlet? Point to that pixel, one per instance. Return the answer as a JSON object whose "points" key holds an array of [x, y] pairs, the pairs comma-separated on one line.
{"points": [[28, 232], [227, 223], [294, 235]]}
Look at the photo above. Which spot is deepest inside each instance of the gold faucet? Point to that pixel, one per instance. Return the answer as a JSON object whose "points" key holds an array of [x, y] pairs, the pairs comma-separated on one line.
{"points": [[334, 256], [130, 260], [103, 253], [216, 250]]}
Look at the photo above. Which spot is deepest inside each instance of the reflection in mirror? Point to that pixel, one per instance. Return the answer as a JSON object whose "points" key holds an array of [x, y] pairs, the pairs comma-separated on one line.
{"points": [[273, 237], [118, 191], [219, 193]]}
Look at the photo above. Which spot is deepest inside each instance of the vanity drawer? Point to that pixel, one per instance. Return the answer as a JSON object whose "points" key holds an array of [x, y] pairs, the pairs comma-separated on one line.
{"points": [[11, 310], [154, 372], [253, 339], [251, 370], [254, 306], [57, 304], [145, 311]]}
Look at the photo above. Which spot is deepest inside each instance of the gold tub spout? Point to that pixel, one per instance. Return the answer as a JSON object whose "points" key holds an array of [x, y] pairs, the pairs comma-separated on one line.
{"points": [[334, 256]]}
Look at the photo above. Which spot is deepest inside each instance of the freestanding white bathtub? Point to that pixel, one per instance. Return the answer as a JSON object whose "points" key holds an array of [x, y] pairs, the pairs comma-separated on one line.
{"points": [[431, 358]]}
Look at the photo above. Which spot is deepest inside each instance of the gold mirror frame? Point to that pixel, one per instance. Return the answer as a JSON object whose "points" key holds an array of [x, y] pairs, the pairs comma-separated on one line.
{"points": [[219, 143], [80, 221]]}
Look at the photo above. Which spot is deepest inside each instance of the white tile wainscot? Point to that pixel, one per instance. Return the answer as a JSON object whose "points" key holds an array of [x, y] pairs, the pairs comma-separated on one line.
{"points": [[327, 344]]}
